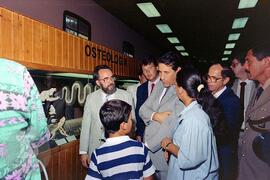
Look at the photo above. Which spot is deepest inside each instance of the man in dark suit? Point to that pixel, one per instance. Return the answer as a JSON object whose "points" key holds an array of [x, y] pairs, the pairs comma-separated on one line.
{"points": [[218, 79], [254, 160], [150, 71]]}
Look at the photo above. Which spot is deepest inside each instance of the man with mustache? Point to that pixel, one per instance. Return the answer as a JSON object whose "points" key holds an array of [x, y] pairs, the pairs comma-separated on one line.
{"points": [[92, 133], [254, 160]]}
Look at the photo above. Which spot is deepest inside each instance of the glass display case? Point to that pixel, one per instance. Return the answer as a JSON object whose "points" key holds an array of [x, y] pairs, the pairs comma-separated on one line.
{"points": [[63, 96]]}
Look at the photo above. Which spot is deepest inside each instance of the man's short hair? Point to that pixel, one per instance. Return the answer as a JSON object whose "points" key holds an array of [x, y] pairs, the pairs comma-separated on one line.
{"points": [[261, 51], [171, 59], [149, 60], [96, 70], [227, 73], [113, 113], [240, 57]]}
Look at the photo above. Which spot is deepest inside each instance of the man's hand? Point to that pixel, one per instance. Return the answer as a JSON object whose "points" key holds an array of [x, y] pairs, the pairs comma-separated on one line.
{"points": [[85, 160], [161, 116]]}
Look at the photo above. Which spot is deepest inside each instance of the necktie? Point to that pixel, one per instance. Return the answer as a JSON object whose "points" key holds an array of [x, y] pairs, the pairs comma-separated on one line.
{"points": [[163, 95], [242, 94], [152, 87], [242, 101]]}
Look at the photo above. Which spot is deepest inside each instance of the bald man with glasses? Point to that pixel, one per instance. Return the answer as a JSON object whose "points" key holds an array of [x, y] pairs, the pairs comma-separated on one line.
{"points": [[218, 79]]}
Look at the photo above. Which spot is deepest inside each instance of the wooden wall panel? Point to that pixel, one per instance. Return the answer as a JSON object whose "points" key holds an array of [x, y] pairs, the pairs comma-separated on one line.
{"points": [[37, 42], [45, 44], [63, 162], [40, 46], [18, 47], [6, 29], [28, 39], [52, 47], [59, 48], [65, 50]]}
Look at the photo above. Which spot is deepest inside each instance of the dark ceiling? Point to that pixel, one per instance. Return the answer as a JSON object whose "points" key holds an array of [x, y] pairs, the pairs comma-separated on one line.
{"points": [[202, 26]]}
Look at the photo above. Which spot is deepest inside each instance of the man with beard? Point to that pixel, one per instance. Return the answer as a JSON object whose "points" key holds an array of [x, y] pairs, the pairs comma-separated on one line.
{"points": [[92, 133]]}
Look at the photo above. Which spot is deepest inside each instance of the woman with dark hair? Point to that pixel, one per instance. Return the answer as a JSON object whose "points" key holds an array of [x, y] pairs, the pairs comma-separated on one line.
{"points": [[193, 147]]}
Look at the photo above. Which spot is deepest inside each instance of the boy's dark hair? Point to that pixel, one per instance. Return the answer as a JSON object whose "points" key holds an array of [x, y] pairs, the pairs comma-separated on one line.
{"points": [[113, 113], [171, 59], [96, 70]]}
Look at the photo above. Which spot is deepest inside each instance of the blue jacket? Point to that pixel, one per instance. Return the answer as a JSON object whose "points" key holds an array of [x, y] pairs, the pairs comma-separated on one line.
{"points": [[142, 95]]}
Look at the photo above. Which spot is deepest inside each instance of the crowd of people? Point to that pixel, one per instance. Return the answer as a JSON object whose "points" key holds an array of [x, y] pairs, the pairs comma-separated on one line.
{"points": [[174, 124], [188, 125]]}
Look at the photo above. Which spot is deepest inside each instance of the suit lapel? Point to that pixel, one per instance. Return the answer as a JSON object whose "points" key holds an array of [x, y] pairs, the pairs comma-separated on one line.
{"points": [[98, 99], [252, 91], [168, 95], [264, 98], [234, 87]]}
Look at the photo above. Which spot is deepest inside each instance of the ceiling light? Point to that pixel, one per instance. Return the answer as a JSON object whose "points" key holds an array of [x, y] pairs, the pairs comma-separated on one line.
{"points": [[164, 28], [180, 48], [243, 4], [229, 45], [225, 59], [227, 52], [148, 9], [239, 23], [184, 54], [173, 40], [234, 36]]}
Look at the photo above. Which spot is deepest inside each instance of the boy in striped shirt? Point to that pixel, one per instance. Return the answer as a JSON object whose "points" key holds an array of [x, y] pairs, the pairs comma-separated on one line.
{"points": [[120, 157]]}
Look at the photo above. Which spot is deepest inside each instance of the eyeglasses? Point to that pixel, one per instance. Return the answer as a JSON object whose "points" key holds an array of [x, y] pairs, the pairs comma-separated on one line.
{"points": [[106, 79], [211, 78]]}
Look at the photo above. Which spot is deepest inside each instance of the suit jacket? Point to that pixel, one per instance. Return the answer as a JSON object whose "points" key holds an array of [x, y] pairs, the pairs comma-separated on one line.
{"points": [[154, 131], [142, 95], [132, 89], [230, 104], [92, 132], [250, 166]]}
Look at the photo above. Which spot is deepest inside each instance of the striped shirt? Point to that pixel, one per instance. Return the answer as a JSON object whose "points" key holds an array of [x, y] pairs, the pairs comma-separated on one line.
{"points": [[120, 158]]}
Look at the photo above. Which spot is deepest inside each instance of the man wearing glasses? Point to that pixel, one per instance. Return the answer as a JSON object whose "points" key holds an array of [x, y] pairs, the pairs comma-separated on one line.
{"points": [[218, 78], [92, 133]]}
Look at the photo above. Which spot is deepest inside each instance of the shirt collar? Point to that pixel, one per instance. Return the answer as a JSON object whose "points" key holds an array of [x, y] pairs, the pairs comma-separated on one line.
{"points": [[194, 103], [217, 94], [116, 140], [248, 81], [266, 84], [156, 81]]}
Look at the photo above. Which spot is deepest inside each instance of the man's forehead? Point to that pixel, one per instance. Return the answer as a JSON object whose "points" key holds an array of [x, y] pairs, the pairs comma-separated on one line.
{"points": [[216, 68], [104, 72], [164, 66]]}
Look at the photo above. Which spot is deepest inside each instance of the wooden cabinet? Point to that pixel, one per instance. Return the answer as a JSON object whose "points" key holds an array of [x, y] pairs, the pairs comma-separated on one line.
{"points": [[63, 162]]}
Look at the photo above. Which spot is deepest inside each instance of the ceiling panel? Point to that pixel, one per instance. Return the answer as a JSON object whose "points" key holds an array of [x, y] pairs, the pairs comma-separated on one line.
{"points": [[201, 26]]}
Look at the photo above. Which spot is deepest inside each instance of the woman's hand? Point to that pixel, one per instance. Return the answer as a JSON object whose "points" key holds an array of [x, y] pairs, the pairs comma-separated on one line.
{"points": [[165, 142], [168, 145], [166, 155]]}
